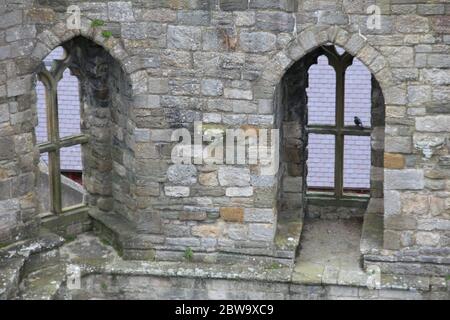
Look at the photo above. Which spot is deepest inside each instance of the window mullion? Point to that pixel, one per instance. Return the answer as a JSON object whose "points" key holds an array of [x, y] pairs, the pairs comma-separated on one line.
{"points": [[339, 152], [54, 156], [55, 181]]}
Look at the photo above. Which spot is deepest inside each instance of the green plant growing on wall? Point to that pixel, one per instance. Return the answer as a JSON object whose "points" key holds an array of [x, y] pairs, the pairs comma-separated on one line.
{"points": [[97, 23], [70, 238], [106, 34], [188, 254], [274, 266]]}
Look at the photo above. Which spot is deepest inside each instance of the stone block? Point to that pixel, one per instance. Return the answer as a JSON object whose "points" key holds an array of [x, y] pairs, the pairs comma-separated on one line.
{"points": [[10, 19], [182, 174], [120, 11], [232, 176], [183, 242], [430, 9], [398, 144], [20, 33], [438, 61], [184, 38], [428, 239], [391, 240], [435, 76], [399, 56], [328, 17], [275, 21], [259, 215], [193, 18], [394, 161], [419, 95], [392, 204], [234, 93], [212, 87], [293, 184], [286, 5], [5, 190], [208, 230], [141, 135], [208, 179], [400, 222], [142, 31], [158, 85], [412, 24], [161, 135], [232, 214], [257, 42], [18, 86], [412, 179], [261, 232], [192, 216], [6, 148], [239, 192], [176, 191], [233, 5], [245, 18], [438, 123], [236, 231], [415, 204]]}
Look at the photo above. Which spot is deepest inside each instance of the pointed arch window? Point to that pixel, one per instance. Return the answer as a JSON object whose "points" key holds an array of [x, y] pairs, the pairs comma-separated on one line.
{"points": [[340, 132], [54, 144]]}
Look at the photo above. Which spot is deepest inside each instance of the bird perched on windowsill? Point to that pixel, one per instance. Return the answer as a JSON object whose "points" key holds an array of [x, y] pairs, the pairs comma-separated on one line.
{"points": [[358, 123]]}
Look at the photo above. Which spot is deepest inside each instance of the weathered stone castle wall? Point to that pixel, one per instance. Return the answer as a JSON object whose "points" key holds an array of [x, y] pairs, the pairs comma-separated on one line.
{"points": [[220, 61]]}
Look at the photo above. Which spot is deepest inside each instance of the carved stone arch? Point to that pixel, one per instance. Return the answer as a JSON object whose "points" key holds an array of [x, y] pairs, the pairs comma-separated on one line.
{"points": [[292, 62], [51, 38], [107, 102], [312, 38]]}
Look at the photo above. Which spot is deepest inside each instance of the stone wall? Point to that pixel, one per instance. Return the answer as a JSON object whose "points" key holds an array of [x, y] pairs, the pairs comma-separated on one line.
{"points": [[174, 62]]}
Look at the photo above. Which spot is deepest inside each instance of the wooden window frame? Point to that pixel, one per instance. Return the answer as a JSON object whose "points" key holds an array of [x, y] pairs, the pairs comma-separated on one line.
{"points": [[54, 144], [340, 64]]}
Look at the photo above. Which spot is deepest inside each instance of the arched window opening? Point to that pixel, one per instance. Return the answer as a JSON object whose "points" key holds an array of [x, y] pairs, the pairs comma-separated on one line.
{"points": [[86, 138], [338, 126], [58, 134], [331, 113]]}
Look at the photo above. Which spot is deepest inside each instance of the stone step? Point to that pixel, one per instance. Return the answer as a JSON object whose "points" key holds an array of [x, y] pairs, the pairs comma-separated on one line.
{"points": [[43, 284], [21, 258], [372, 233], [10, 272], [287, 237], [131, 245]]}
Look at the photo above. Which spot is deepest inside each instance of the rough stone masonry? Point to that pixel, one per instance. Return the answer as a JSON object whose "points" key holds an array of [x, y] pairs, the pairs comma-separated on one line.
{"points": [[154, 66]]}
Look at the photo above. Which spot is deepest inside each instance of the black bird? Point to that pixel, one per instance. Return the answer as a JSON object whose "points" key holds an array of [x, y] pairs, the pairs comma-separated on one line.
{"points": [[358, 123]]}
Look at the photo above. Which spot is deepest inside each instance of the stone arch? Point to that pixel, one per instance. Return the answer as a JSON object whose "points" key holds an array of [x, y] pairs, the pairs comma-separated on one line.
{"points": [[53, 37], [305, 43], [59, 34], [108, 95], [312, 38]]}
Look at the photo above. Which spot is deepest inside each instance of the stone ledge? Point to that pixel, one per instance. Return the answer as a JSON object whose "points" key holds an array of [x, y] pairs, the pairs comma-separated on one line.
{"points": [[134, 246], [95, 259], [18, 259], [372, 233]]}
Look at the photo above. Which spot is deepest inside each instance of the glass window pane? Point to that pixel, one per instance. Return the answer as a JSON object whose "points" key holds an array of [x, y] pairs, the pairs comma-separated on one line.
{"points": [[44, 185], [321, 151], [41, 129], [356, 163], [321, 93], [71, 180], [68, 105], [57, 54], [358, 87]]}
